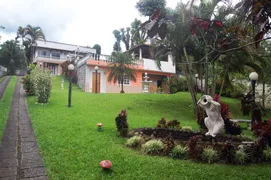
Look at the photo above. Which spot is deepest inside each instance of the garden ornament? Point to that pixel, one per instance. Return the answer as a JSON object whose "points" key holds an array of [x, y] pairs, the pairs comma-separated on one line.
{"points": [[99, 126], [106, 164], [214, 122]]}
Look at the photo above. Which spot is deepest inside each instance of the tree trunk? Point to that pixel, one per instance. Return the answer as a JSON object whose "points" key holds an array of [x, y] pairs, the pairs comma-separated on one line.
{"points": [[201, 80], [206, 77], [223, 82], [190, 81], [263, 95], [122, 91], [213, 80]]}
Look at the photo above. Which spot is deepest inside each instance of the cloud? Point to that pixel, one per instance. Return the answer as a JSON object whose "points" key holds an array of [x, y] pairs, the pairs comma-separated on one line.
{"points": [[80, 22]]}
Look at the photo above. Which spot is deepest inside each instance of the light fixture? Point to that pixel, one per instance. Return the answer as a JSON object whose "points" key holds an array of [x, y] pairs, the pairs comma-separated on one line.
{"points": [[96, 68], [253, 76], [196, 75], [71, 67]]}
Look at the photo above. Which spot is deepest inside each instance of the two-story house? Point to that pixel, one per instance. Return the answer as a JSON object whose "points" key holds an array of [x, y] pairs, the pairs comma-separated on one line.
{"points": [[51, 54], [88, 79]]}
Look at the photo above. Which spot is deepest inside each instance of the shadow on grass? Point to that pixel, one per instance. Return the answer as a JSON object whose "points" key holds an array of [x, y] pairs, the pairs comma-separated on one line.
{"points": [[106, 172]]}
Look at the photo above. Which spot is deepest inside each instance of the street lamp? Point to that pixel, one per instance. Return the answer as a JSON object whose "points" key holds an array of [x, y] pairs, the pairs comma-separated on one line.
{"points": [[253, 77], [70, 68], [196, 76], [96, 71]]}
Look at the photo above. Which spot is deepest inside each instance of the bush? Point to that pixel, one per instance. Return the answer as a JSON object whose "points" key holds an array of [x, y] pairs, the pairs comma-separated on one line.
{"points": [[133, 141], [228, 152], [209, 155], [28, 85], [177, 84], [42, 82], [153, 147], [267, 153], [194, 150], [179, 152], [121, 123], [170, 124], [240, 156]]}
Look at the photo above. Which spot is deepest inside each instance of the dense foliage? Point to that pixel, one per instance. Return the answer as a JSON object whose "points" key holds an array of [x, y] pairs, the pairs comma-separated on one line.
{"points": [[122, 123], [42, 81]]}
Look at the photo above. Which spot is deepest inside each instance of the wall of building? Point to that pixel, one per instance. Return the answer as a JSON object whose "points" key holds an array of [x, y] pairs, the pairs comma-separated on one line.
{"points": [[3, 71], [134, 87], [81, 75], [88, 79], [166, 66]]}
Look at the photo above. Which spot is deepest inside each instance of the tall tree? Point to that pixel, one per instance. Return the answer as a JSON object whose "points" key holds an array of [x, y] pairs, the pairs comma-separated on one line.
{"points": [[29, 36], [147, 7], [122, 64], [11, 55], [117, 46]]}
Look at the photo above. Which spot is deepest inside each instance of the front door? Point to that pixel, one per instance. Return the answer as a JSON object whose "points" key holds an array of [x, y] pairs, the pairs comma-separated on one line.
{"points": [[96, 82]]}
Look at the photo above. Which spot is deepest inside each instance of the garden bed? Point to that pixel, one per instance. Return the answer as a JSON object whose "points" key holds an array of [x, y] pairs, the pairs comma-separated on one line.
{"points": [[188, 144]]}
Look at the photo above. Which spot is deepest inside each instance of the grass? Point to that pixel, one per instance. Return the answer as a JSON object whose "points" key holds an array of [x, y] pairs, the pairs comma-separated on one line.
{"points": [[72, 147], [5, 103]]}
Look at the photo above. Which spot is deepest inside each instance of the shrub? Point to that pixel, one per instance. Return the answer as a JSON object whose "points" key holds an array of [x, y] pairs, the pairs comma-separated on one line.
{"points": [[209, 155], [255, 151], [228, 152], [28, 85], [173, 124], [162, 123], [177, 84], [153, 147], [263, 129], [169, 144], [194, 150], [133, 141], [42, 82], [122, 124], [179, 152], [267, 153], [189, 128], [240, 156]]}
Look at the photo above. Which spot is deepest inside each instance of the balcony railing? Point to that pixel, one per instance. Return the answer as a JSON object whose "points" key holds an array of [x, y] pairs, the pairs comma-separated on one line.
{"points": [[52, 57], [107, 58]]}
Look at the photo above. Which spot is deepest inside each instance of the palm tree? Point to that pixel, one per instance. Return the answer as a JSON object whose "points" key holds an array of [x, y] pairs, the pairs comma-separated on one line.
{"points": [[11, 55], [29, 36], [122, 64]]}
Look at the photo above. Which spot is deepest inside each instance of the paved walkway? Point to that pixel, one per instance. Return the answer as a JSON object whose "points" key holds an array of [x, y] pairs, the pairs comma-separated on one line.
{"points": [[3, 85], [20, 157]]}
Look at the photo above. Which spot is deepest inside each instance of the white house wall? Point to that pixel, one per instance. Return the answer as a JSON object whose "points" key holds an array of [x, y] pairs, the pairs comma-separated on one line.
{"points": [[89, 80], [168, 66]]}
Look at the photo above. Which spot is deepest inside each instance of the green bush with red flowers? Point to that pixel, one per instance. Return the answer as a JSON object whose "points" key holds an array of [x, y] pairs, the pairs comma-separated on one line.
{"points": [[28, 85]]}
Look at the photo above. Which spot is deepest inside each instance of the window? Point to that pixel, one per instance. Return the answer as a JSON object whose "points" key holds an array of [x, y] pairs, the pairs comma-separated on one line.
{"points": [[43, 53], [126, 80], [55, 55]]}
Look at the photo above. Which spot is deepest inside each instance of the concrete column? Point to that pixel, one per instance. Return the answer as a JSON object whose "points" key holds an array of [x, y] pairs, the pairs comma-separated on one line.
{"points": [[140, 53]]}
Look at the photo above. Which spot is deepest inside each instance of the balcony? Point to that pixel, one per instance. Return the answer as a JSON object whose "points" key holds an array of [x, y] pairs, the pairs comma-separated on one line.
{"points": [[108, 59]]}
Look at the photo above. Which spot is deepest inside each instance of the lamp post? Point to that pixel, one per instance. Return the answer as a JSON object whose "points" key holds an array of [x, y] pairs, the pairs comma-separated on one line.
{"points": [[196, 76], [96, 83], [70, 68], [253, 77]]}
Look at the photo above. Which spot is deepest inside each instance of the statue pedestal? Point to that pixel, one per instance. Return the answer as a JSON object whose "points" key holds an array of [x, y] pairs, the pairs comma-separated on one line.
{"points": [[146, 83]]}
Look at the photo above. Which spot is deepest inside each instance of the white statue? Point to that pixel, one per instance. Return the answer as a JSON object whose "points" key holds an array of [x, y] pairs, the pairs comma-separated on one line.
{"points": [[62, 84], [214, 122]]}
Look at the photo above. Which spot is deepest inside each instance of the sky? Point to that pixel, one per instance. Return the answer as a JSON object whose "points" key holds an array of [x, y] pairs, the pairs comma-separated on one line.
{"points": [[80, 22]]}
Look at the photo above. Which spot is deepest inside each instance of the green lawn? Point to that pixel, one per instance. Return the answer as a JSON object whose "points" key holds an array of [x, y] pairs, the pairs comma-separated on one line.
{"points": [[72, 147], [5, 103]]}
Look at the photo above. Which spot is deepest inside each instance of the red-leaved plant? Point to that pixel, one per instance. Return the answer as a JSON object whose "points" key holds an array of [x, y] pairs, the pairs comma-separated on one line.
{"points": [[194, 149], [263, 129]]}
